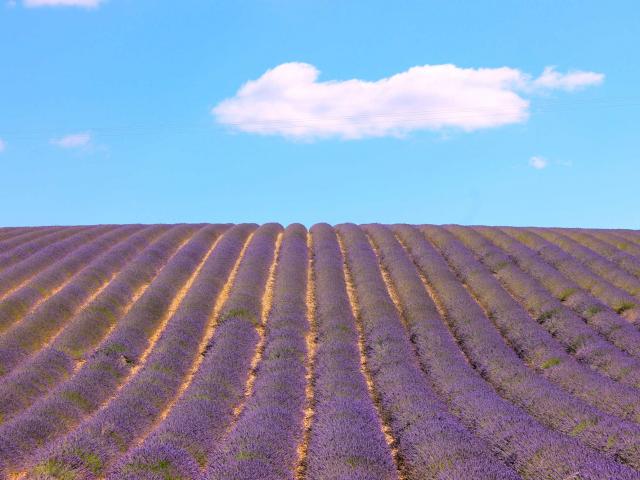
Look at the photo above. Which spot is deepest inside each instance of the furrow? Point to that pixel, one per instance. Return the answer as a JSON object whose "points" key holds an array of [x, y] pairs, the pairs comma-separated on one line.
{"points": [[214, 277], [371, 352], [544, 400], [88, 451], [176, 302], [566, 311], [630, 238], [7, 233], [33, 290], [262, 442], [346, 438], [57, 294], [267, 301], [616, 298], [311, 342], [17, 276], [616, 240], [204, 341], [15, 239], [63, 358], [537, 348], [623, 260], [600, 266], [110, 364], [631, 235], [184, 440], [534, 450], [362, 348], [39, 248], [20, 248], [430, 441], [206, 338]]}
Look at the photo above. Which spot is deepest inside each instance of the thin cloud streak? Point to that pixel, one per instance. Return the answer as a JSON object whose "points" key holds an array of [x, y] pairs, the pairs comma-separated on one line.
{"points": [[576, 80], [62, 3], [76, 140], [538, 162], [289, 100]]}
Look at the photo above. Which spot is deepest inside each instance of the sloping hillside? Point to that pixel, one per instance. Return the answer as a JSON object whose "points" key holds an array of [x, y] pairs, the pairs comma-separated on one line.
{"points": [[348, 352]]}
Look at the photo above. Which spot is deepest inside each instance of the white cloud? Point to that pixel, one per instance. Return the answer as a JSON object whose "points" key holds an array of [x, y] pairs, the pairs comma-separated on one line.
{"points": [[76, 140], [3, 145], [62, 3], [538, 162], [289, 100], [574, 80]]}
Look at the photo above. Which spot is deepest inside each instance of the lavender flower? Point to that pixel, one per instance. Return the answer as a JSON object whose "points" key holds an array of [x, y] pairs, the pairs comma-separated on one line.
{"points": [[430, 441], [533, 344], [560, 306], [21, 250], [184, 440], [595, 241], [599, 287], [70, 293], [108, 366], [51, 364], [13, 276], [461, 375], [346, 439], [142, 400], [593, 261], [222, 352], [17, 237]]}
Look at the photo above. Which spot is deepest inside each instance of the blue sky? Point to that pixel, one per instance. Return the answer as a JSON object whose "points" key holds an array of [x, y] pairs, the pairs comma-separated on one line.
{"points": [[107, 113]]}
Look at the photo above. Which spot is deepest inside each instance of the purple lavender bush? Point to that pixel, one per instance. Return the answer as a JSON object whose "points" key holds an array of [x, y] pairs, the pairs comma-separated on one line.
{"points": [[373, 352]]}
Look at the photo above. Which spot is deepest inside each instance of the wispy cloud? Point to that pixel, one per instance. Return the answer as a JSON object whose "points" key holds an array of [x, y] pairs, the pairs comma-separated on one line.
{"points": [[289, 100], [538, 162], [63, 3], [3, 145], [76, 140], [575, 80]]}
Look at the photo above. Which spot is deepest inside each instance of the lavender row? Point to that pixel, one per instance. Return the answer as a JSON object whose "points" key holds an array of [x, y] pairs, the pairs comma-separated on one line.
{"points": [[553, 298], [38, 310], [23, 249], [262, 443], [614, 297], [430, 441], [201, 413], [29, 241], [7, 233], [13, 276], [16, 230], [107, 367], [90, 450], [617, 240], [631, 236], [346, 439], [595, 262], [122, 294], [11, 240], [537, 347], [532, 448], [621, 258], [47, 282], [500, 361], [52, 364]]}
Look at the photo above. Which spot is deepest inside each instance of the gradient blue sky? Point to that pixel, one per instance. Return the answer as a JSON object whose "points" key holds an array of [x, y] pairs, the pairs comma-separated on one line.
{"points": [[141, 78]]}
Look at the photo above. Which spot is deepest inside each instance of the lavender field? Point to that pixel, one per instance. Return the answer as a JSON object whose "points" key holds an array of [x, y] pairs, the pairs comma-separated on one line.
{"points": [[177, 352]]}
